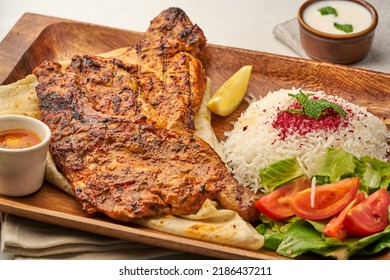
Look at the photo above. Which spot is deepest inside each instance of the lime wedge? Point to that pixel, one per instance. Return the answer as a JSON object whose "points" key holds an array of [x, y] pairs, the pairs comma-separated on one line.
{"points": [[230, 95]]}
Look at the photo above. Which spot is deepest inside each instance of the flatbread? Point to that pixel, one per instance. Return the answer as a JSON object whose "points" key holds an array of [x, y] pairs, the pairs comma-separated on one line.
{"points": [[210, 223], [203, 126], [20, 98]]}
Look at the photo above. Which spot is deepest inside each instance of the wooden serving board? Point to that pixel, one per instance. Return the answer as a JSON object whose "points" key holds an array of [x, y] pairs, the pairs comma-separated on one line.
{"points": [[35, 38]]}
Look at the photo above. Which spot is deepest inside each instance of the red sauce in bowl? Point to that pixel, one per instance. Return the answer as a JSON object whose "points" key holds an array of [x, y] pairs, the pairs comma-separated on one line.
{"points": [[18, 139]]}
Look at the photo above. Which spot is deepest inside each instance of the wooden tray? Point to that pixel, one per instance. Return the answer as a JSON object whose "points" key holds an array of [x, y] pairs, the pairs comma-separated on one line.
{"points": [[35, 38]]}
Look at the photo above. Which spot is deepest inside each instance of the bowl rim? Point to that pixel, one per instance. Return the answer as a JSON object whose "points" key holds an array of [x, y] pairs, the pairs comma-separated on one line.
{"points": [[325, 35], [45, 141]]}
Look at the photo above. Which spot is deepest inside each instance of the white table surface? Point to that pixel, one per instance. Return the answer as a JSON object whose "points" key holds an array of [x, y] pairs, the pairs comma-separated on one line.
{"points": [[244, 24]]}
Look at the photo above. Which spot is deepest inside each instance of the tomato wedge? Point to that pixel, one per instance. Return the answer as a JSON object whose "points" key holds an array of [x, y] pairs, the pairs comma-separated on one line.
{"points": [[276, 204], [369, 216], [335, 227], [329, 199]]}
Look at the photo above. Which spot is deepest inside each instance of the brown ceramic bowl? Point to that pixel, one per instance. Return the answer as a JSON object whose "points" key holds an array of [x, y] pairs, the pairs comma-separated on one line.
{"points": [[337, 48]]}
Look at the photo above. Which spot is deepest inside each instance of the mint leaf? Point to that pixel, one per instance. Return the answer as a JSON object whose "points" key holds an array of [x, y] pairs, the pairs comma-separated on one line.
{"points": [[313, 108], [328, 10], [347, 28]]}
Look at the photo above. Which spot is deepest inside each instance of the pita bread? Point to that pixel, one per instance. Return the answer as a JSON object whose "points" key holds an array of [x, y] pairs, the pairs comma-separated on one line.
{"points": [[209, 224], [20, 98]]}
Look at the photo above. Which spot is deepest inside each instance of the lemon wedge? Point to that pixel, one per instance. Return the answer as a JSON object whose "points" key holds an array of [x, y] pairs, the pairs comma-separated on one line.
{"points": [[230, 95]]}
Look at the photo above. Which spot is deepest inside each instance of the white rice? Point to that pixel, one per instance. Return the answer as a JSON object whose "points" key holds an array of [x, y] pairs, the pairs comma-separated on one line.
{"points": [[254, 143]]}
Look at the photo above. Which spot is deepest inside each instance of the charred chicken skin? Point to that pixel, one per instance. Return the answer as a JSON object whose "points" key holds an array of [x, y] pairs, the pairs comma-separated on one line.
{"points": [[123, 129]]}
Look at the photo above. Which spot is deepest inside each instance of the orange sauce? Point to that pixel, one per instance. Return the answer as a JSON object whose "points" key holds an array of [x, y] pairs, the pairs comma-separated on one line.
{"points": [[18, 138]]}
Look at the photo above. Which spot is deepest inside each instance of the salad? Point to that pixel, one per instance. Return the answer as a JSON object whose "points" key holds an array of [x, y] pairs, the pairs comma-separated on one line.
{"points": [[341, 211]]}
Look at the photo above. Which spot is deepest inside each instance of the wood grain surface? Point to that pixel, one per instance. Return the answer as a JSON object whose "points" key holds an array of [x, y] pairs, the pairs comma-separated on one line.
{"points": [[36, 38]]}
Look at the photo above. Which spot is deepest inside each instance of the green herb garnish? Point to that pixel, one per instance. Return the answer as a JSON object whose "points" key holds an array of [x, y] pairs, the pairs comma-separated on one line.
{"points": [[347, 28], [328, 10], [313, 108]]}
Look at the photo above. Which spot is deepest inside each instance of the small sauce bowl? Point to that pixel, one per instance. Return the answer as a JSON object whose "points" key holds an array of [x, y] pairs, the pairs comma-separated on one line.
{"points": [[22, 170], [344, 48]]}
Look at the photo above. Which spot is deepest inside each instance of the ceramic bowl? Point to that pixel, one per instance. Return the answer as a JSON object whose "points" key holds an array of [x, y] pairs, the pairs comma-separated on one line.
{"points": [[22, 170], [337, 48]]}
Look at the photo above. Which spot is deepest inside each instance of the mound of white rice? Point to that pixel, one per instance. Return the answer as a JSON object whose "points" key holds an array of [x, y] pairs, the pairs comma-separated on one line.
{"points": [[254, 143]]}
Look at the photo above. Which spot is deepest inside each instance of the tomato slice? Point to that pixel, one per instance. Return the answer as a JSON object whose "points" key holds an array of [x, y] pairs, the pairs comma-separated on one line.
{"points": [[369, 216], [276, 204], [329, 199], [335, 227]]}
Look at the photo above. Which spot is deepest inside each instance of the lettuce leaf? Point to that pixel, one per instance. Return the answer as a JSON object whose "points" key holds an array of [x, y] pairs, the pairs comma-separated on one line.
{"points": [[301, 237], [376, 173], [273, 231], [280, 172], [334, 165], [304, 236], [337, 164], [383, 242], [295, 236], [367, 245]]}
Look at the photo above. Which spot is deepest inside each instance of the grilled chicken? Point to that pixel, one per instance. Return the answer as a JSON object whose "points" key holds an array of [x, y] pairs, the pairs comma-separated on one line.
{"points": [[123, 129], [172, 78]]}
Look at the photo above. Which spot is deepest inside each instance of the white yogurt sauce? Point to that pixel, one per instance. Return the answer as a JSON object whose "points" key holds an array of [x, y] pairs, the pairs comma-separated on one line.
{"points": [[348, 12]]}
